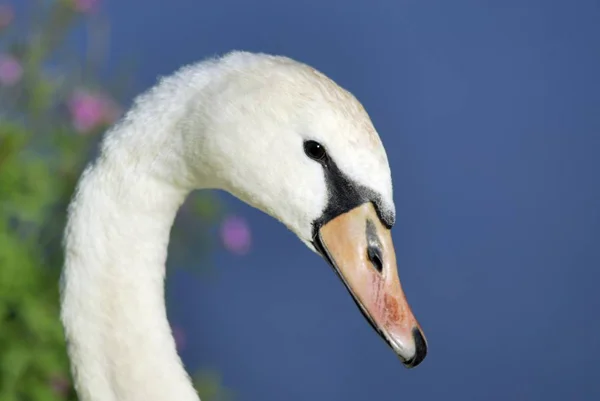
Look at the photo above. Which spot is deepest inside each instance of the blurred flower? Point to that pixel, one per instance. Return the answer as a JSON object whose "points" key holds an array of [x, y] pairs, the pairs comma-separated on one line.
{"points": [[89, 110], [6, 15], [10, 70], [60, 385], [235, 235], [179, 336], [86, 6]]}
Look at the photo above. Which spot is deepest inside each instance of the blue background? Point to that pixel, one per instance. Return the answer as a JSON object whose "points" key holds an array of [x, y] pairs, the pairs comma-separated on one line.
{"points": [[489, 112]]}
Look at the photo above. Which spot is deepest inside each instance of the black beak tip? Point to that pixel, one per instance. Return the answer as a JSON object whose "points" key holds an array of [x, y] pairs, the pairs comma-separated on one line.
{"points": [[420, 349]]}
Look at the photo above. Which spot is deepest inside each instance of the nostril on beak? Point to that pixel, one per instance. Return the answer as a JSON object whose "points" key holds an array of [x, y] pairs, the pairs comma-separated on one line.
{"points": [[420, 349], [374, 254], [374, 247]]}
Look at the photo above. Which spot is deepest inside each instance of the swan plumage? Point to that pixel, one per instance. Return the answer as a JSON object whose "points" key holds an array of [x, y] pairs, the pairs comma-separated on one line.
{"points": [[238, 123]]}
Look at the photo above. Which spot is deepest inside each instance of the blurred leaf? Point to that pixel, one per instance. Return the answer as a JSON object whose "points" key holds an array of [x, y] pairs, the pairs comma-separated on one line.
{"points": [[41, 96], [206, 206], [209, 387]]}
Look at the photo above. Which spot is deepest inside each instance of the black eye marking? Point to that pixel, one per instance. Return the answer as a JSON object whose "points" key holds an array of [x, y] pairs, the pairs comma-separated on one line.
{"points": [[315, 150], [374, 247], [344, 195]]}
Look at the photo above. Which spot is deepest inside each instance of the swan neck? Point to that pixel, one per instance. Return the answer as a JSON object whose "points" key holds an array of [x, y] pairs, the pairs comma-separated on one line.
{"points": [[113, 308]]}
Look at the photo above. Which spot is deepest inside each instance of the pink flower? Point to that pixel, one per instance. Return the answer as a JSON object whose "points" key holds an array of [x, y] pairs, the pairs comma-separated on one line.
{"points": [[89, 110], [179, 336], [235, 235], [6, 15], [10, 70], [85, 6]]}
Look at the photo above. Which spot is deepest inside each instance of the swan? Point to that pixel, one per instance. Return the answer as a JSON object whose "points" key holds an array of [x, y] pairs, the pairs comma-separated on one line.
{"points": [[275, 133]]}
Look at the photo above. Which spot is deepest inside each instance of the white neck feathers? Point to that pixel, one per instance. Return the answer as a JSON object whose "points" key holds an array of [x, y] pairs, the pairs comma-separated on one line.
{"points": [[113, 310], [119, 338]]}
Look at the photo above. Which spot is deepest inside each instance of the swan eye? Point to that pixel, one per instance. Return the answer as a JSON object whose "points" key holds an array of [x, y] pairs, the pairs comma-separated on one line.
{"points": [[314, 150]]}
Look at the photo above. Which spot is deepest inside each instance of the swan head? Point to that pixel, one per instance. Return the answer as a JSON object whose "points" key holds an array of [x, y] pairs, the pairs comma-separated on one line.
{"points": [[287, 140]]}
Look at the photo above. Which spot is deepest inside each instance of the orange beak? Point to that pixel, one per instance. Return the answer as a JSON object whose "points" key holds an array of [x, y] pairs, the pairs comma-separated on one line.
{"points": [[361, 251]]}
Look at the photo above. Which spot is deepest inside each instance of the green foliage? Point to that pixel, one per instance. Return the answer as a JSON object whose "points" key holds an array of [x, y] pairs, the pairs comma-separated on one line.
{"points": [[51, 115], [32, 355], [209, 387]]}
